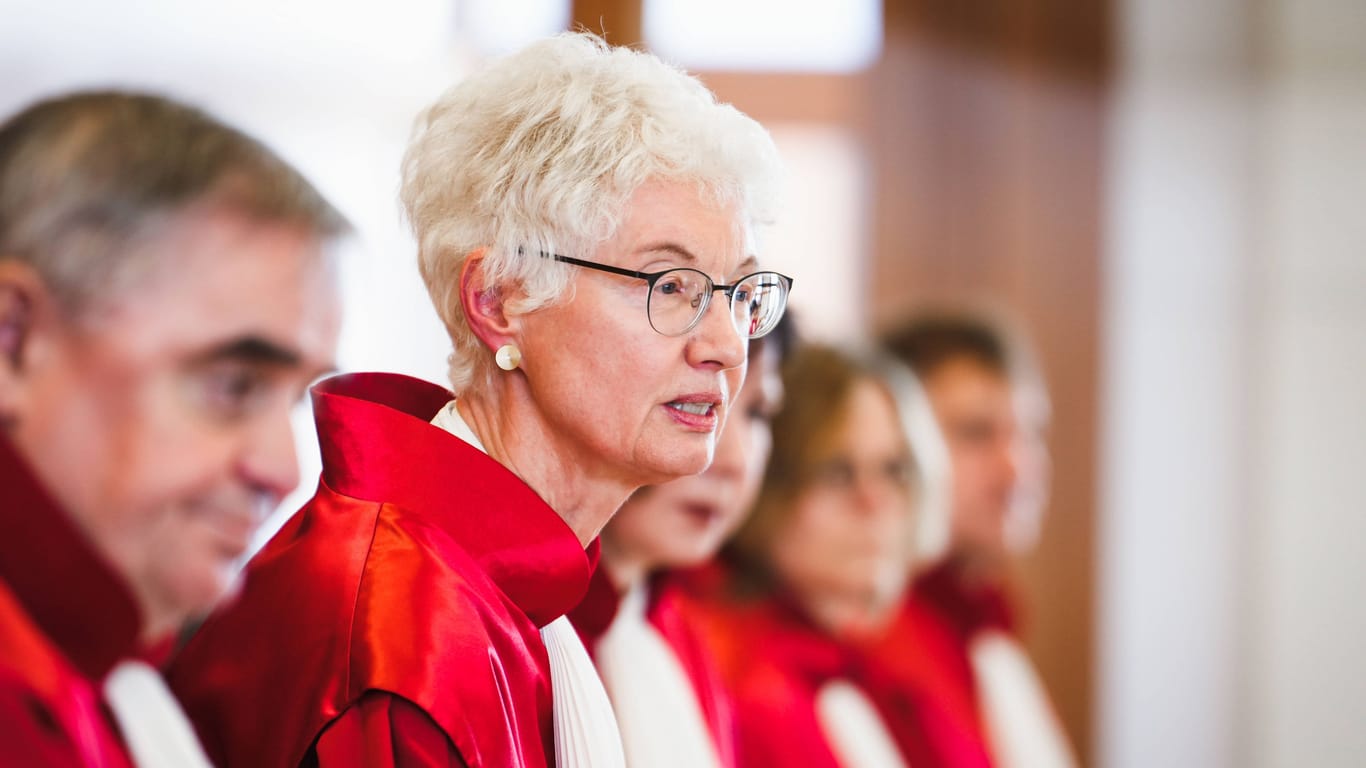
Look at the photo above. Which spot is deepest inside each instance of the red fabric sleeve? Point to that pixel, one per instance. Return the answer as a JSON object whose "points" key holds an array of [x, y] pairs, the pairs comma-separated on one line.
{"points": [[30, 734], [382, 730]]}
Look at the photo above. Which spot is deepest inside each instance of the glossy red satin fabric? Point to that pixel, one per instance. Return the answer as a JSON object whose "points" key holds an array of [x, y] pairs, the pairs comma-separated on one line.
{"points": [[774, 663], [421, 568], [49, 714], [966, 608], [922, 652], [939, 620], [382, 730], [666, 612]]}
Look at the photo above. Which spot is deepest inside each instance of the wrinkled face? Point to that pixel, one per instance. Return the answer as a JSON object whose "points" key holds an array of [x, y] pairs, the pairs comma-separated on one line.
{"points": [[627, 403], [849, 536], [160, 418], [684, 522], [1000, 465]]}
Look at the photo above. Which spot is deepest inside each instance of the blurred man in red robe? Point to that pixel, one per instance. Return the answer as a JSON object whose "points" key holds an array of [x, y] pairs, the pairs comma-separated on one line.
{"points": [[960, 619], [165, 297]]}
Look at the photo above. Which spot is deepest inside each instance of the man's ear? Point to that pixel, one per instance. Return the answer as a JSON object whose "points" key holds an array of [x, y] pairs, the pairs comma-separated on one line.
{"points": [[484, 304], [24, 302]]}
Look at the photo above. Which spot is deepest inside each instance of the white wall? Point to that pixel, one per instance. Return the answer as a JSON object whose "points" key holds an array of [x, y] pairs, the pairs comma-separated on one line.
{"points": [[1175, 349], [1235, 372], [1307, 570]]}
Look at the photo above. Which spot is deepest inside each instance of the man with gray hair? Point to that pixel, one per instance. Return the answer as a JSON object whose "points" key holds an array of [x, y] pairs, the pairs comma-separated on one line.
{"points": [[167, 293]]}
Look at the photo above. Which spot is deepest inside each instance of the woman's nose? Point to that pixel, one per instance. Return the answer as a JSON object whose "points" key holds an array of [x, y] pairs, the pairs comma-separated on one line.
{"points": [[716, 341]]}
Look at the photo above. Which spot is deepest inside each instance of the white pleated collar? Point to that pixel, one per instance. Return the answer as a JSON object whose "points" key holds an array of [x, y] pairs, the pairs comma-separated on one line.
{"points": [[661, 718], [586, 734]]}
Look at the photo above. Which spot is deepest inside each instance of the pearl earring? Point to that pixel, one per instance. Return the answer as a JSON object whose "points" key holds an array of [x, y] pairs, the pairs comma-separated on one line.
{"points": [[508, 357]]}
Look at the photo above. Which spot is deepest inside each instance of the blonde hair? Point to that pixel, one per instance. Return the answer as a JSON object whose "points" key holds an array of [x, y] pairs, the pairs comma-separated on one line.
{"points": [[538, 154]]}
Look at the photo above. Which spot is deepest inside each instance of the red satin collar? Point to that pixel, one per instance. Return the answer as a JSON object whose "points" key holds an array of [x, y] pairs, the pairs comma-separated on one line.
{"points": [[969, 608], [77, 599], [378, 444], [595, 614], [797, 644]]}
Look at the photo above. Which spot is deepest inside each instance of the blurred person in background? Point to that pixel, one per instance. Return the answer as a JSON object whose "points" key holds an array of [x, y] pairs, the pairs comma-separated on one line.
{"points": [[167, 293], [818, 573], [585, 219], [664, 688], [993, 410]]}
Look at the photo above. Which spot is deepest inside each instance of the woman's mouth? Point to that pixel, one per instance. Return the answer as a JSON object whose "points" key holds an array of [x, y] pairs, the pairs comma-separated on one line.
{"points": [[695, 413], [703, 514]]}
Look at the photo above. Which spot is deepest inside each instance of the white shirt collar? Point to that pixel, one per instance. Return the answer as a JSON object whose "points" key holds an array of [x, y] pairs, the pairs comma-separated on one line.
{"points": [[449, 419]]}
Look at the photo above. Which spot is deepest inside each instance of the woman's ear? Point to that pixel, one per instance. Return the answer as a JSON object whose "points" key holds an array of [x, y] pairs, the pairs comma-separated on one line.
{"points": [[484, 304]]}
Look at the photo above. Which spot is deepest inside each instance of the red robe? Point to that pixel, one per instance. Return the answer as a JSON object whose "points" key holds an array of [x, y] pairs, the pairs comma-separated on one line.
{"points": [[922, 651], [394, 620], [66, 618], [775, 661], [940, 619], [666, 612], [966, 609]]}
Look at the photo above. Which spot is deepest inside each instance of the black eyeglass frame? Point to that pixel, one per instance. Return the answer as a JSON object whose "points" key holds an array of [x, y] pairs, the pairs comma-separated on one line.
{"points": [[653, 277]]}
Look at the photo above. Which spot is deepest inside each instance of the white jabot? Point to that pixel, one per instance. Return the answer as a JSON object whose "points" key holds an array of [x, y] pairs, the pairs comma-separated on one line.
{"points": [[449, 419], [662, 725], [586, 734], [856, 732], [155, 729], [1020, 723]]}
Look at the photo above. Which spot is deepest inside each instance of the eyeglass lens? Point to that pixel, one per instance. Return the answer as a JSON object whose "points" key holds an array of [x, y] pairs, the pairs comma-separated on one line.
{"points": [[679, 298]]}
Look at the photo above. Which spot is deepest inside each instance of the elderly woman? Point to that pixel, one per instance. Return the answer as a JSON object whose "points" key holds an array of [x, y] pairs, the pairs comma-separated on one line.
{"points": [[665, 689], [820, 569], [585, 222]]}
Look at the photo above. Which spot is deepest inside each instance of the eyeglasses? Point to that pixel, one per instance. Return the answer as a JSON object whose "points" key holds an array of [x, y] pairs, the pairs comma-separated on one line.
{"points": [[841, 474], [679, 297]]}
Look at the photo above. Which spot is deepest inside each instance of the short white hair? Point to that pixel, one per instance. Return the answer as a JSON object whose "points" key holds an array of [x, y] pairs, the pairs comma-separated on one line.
{"points": [[539, 153]]}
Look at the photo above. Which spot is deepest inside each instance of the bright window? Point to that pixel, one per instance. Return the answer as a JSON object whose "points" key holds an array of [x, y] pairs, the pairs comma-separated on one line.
{"points": [[503, 26], [766, 35]]}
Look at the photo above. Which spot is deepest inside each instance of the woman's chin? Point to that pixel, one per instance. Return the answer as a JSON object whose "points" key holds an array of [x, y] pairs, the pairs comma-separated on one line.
{"points": [[690, 550], [693, 460]]}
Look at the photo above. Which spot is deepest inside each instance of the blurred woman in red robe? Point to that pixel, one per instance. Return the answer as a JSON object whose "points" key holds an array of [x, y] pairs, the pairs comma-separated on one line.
{"points": [[585, 219], [818, 574], [664, 687]]}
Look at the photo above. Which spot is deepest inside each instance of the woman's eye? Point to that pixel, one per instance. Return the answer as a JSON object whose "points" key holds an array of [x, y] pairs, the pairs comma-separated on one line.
{"points": [[835, 474], [899, 471]]}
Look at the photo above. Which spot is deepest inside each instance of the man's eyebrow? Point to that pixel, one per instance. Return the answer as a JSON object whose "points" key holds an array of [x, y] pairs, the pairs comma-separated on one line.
{"points": [[750, 263], [253, 349]]}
